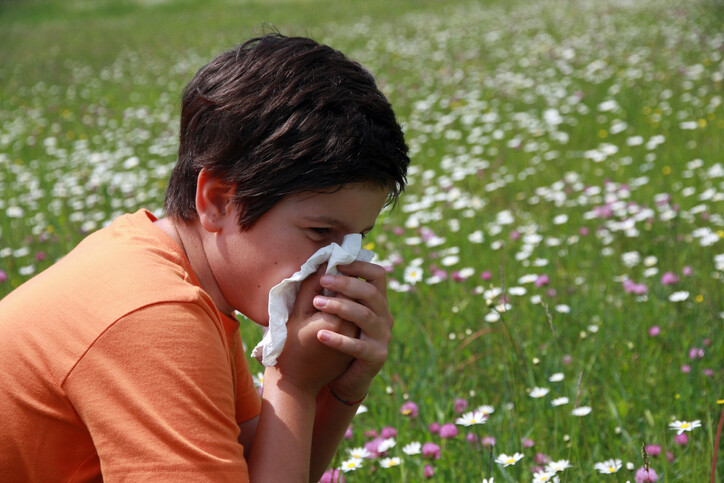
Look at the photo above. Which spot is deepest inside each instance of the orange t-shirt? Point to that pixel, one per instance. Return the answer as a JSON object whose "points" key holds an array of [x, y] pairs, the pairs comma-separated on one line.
{"points": [[115, 364]]}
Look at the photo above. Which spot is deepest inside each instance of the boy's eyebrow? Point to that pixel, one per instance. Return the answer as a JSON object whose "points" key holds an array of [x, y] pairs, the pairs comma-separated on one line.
{"points": [[327, 220]]}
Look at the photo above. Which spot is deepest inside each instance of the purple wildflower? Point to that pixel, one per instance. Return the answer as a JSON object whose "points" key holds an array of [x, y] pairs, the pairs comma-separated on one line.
{"points": [[448, 430], [488, 441], [669, 278], [388, 432], [409, 409], [643, 475], [332, 476], [541, 458], [653, 449], [696, 353], [431, 450], [542, 280]]}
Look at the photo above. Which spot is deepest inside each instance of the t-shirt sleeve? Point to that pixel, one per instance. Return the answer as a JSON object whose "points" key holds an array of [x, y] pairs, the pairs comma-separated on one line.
{"points": [[248, 402], [156, 392]]}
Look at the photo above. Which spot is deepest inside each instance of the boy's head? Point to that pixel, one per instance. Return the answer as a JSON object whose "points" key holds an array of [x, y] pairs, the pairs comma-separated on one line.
{"points": [[279, 116]]}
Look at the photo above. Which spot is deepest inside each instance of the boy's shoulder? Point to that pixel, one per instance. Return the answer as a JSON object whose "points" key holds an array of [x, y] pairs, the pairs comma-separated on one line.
{"points": [[121, 268]]}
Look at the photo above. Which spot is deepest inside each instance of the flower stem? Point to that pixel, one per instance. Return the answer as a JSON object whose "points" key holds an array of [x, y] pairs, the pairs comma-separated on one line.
{"points": [[716, 447]]}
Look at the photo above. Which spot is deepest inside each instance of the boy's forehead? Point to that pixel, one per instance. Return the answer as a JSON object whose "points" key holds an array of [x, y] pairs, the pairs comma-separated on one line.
{"points": [[345, 208]]}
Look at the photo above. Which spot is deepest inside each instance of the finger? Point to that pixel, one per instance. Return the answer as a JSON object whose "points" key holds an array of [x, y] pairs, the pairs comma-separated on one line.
{"points": [[360, 349], [372, 317], [356, 289], [309, 288], [373, 273], [376, 326]]}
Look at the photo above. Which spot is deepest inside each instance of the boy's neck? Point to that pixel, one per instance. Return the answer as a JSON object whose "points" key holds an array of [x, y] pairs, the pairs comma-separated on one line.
{"points": [[187, 237]]}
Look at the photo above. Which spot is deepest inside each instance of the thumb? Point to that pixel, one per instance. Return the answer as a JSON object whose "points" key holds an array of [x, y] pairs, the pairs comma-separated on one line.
{"points": [[308, 289]]}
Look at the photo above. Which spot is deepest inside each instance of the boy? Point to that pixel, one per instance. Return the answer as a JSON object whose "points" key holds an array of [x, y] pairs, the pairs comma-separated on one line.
{"points": [[124, 360]]}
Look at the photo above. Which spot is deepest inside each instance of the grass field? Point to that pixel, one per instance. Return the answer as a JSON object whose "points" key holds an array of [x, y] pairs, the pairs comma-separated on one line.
{"points": [[556, 264]]}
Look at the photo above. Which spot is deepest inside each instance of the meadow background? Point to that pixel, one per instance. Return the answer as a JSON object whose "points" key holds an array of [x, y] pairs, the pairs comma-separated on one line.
{"points": [[557, 259]]}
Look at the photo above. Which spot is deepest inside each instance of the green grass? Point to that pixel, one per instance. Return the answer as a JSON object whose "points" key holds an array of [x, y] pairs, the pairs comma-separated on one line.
{"points": [[89, 100]]}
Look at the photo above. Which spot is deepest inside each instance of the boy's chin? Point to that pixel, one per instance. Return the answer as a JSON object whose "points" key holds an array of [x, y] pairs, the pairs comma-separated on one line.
{"points": [[263, 321], [259, 320]]}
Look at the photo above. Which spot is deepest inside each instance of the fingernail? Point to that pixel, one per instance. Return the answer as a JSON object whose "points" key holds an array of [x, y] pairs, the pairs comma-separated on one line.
{"points": [[326, 280], [320, 301], [322, 336]]}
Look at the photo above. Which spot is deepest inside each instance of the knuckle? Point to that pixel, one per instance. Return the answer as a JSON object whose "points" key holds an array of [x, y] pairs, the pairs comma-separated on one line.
{"points": [[369, 290], [382, 354], [378, 271], [367, 313], [341, 282]]}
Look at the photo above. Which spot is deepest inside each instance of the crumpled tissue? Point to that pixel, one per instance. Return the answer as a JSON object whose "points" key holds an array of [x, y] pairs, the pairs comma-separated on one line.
{"points": [[283, 295]]}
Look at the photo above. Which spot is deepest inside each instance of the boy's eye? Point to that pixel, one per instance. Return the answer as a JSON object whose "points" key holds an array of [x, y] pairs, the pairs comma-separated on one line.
{"points": [[321, 231]]}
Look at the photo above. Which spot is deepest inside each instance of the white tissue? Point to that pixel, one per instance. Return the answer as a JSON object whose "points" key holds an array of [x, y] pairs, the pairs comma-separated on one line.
{"points": [[283, 295]]}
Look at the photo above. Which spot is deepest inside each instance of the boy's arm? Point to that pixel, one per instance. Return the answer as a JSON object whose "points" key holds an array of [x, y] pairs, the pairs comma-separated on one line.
{"points": [[361, 299], [282, 447], [247, 430], [333, 419]]}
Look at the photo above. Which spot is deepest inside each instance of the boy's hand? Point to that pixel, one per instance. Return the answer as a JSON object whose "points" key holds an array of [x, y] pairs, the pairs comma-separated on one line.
{"points": [[361, 299], [305, 363]]}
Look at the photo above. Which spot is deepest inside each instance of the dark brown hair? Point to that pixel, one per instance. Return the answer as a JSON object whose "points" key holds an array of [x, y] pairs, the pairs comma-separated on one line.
{"points": [[280, 116]]}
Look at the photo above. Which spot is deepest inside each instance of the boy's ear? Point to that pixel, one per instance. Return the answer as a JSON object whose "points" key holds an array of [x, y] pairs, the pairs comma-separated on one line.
{"points": [[214, 201]]}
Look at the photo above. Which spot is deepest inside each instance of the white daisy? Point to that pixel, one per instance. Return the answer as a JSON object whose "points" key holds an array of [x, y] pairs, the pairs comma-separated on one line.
{"points": [[507, 460], [582, 411], [556, 466], [492, 317], [608, 466], [486, 410], [679, 296], [359, 453], [258, 379], [538, 392], [559, 401], [681, 426], [390, 462], [543, 476], [413, 274], [386, 444], [563, 308], [471, 418], [351, 464], [449, 260], [412, 448], [517, 291]]}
